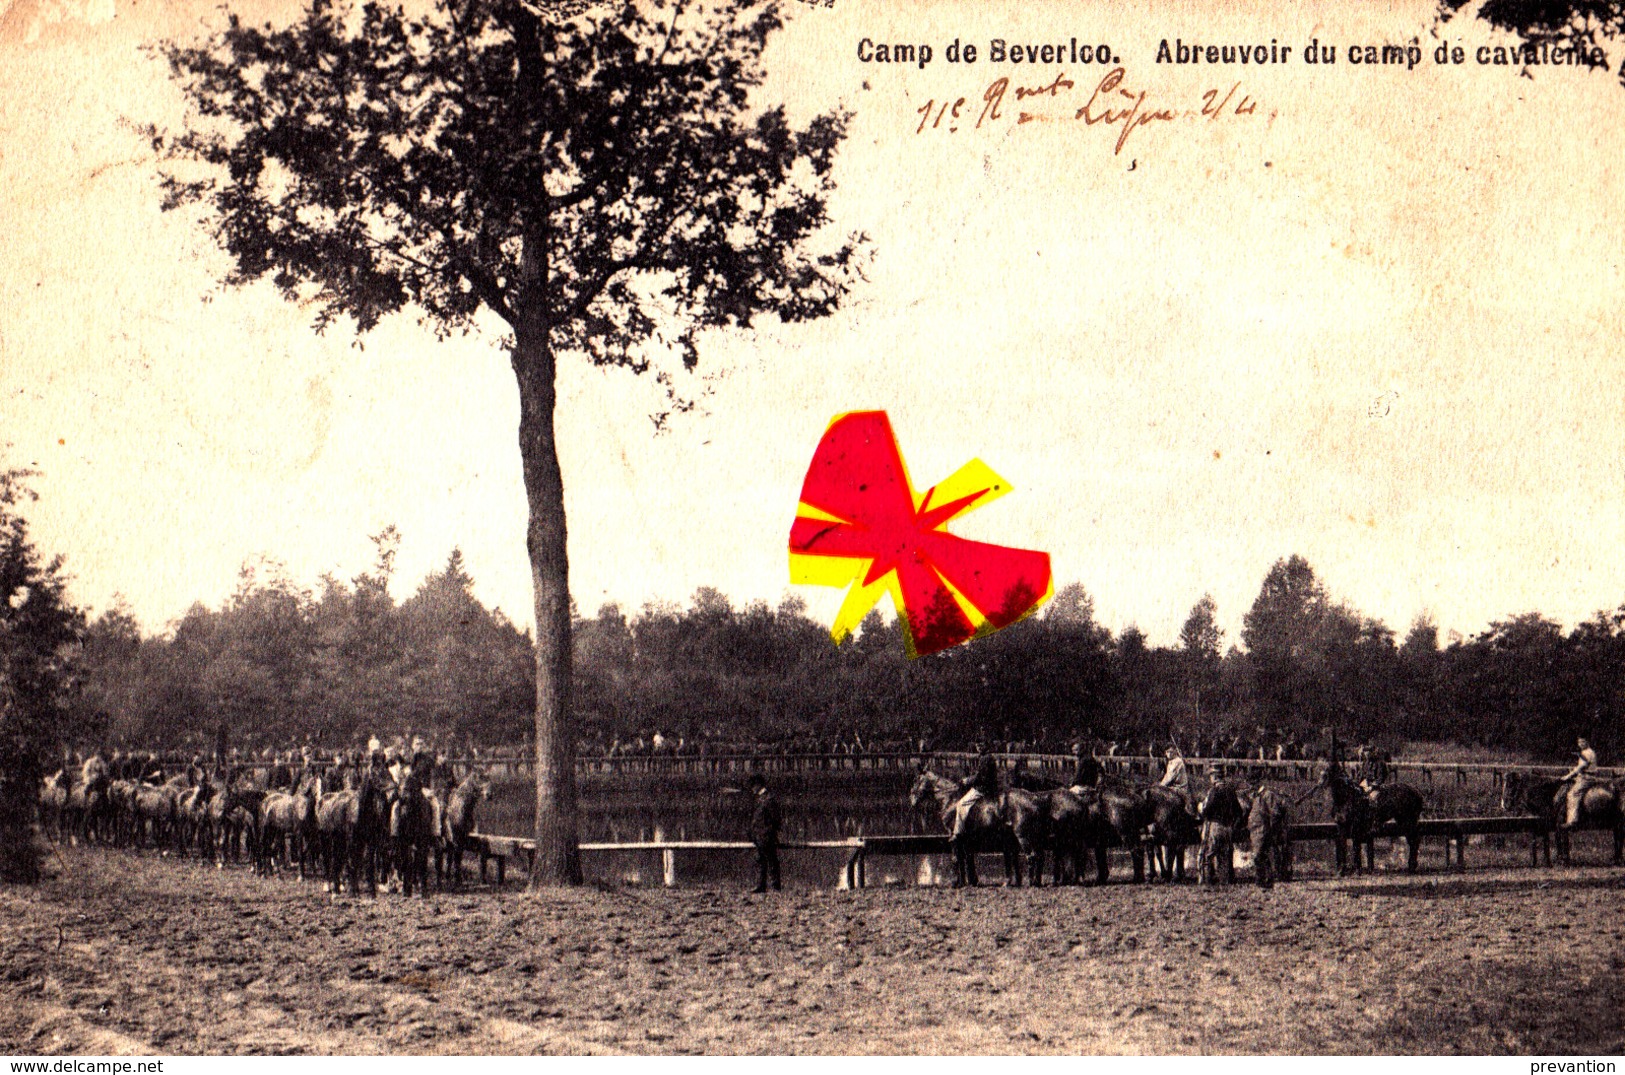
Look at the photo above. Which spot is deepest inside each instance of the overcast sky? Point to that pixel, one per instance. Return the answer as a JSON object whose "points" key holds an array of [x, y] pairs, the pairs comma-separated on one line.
{"points": [[1376, 322]]}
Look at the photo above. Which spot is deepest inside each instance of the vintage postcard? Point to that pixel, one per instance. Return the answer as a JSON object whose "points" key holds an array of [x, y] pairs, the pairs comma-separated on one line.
{"points": [[705, 527]]}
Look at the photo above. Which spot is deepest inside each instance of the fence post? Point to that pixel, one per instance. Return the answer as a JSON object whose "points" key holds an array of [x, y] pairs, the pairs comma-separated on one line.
{"points": [[668, 865]]}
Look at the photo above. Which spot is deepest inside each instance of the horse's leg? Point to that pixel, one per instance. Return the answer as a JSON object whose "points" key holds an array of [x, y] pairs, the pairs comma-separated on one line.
{"points": [[1103, 864], [1412, 841]]}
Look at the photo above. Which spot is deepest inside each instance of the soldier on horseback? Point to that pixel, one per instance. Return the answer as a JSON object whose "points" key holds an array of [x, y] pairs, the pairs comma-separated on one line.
{"points": [[93, 769], [1374, 769], [1087, 773], [1177, 777], [984, 784], [152, 772], [1580, 778]]}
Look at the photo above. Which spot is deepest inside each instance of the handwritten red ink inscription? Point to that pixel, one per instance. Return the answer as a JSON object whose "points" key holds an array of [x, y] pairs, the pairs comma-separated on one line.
{"points": [[1111, 105]]}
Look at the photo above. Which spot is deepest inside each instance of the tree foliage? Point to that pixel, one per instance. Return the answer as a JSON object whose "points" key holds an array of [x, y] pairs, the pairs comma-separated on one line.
{"points": [[40, 638], [603, 179], [356, 663], [1578, 24], [604, 185]]}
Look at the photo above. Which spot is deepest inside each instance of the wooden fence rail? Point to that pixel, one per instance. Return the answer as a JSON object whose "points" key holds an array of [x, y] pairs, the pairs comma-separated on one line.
{"points": [[1455, 831], [1049, 764]]}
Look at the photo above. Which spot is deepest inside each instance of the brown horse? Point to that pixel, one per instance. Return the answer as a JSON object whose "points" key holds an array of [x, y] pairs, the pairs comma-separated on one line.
{"points": [[234, 815], [1173, 828], [352, 826], [1269, 832], [1600, 808], [457, 824], [287, 830], [1359, 816], [1119, 816], [414, 825], [1012, 823]]}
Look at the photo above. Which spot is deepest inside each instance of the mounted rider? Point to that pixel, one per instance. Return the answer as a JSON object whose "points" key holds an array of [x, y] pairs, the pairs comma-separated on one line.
{"points": [[1088, 770], [93, 770], [280, 777], [443, 776], [1177, 777], [152, 771], [983, 784], [1581, 778], [1375, 768]]}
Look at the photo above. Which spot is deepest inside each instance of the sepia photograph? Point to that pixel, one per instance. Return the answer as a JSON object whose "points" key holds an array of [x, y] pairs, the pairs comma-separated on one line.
{"points": [[812, 527]]}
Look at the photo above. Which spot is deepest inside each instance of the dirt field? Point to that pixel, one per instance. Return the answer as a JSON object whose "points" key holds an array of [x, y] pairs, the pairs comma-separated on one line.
{"points": [[131, 954]]}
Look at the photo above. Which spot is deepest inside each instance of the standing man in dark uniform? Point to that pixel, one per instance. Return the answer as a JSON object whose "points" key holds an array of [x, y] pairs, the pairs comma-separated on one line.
{"points": [[764, 832]]}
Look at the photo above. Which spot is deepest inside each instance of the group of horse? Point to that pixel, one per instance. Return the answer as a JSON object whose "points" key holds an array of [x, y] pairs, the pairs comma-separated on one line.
{"points": [[1069, 824], [365, 826]]}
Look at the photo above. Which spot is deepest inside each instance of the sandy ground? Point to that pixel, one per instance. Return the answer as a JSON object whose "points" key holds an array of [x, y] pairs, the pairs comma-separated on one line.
{"points": [[130, 954]]}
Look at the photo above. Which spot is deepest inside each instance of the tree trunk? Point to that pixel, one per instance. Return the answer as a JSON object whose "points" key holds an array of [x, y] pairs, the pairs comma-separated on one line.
{"points": [[558, 858]]}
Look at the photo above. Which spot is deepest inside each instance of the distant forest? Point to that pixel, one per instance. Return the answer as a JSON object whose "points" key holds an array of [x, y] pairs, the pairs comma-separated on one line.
{"points": [[279, 663]]}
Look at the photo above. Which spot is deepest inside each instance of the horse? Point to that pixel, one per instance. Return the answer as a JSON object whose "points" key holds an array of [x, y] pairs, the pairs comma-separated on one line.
{"points": [[1119, 816], [1173, 828], [118, 811], [1545, 799], [1358, 816], [194, 818], [987, 826], [1269, 832], [53, 802], [287, 829], [89, 810], [234, 817], [153, 815], [457, 824], [1071, 830], [414, 824], [351, 825], [1600, 808]]}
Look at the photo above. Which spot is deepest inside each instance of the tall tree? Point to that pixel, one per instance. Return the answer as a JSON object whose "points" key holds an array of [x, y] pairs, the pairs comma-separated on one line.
{"points": [[1199, 641], [40, 635], [601, 184]]}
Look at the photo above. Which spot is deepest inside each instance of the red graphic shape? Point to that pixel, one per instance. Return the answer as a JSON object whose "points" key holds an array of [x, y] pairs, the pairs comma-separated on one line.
{"points": [[858, 508]]}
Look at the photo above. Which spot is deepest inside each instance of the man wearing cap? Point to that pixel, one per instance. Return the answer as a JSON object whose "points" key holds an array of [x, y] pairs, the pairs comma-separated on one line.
{"points": [[764, 832]]}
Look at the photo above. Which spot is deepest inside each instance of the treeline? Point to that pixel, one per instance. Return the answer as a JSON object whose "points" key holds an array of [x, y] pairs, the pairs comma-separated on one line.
{"points": [[277, 663]]}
